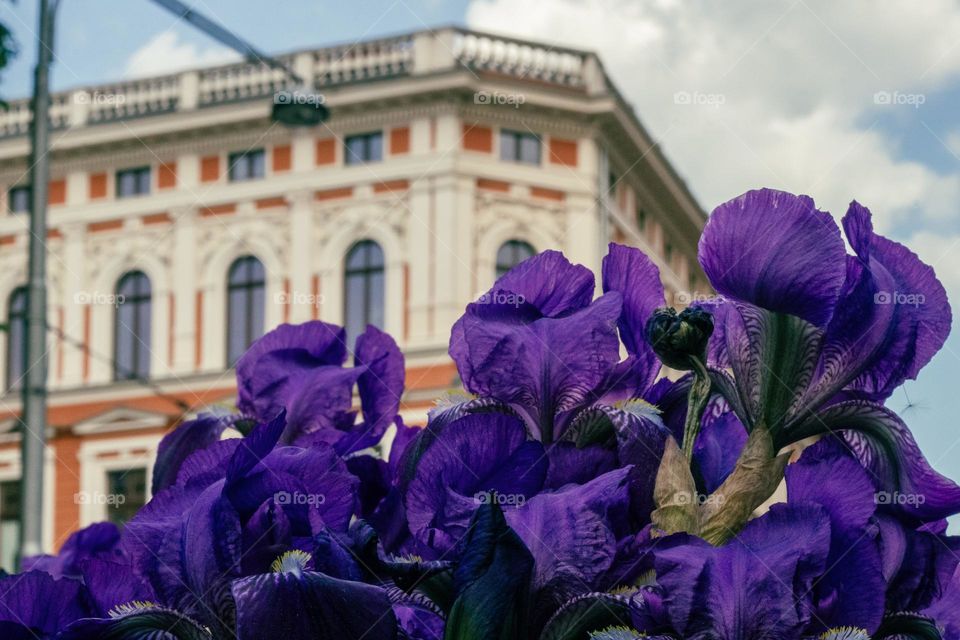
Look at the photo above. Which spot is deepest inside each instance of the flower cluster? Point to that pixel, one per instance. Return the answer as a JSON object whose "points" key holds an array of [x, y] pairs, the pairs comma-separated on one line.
{"points": [[760, 490]]}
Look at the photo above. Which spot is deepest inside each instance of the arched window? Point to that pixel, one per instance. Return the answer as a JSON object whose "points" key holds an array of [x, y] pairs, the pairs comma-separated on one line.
{"points": [[363, 288], [511, 253], [131, 345], [246, 302], [16, 338]]}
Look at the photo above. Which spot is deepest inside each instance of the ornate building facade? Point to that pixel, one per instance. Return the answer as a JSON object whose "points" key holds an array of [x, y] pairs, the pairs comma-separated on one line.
{"points": [[184, 223]]}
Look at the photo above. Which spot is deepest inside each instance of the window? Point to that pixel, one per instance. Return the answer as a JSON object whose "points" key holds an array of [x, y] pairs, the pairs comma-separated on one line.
{"points": [[247, 165], [131, 347], [18, 199], [511, 253], [641, 219], [363, 288], [16, 338], [364, 147], [9, 524], [133, 182], [517, 146], [246, 286], [126, 494]]}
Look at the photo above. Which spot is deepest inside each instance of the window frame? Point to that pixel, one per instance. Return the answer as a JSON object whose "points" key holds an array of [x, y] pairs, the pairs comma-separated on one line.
{"points": [[501, 268], [366, 157], [21, 317], [367, 271], [246, 159], [142, 187], [143, 301], [248, 286], [20, 188], [517, 137]]}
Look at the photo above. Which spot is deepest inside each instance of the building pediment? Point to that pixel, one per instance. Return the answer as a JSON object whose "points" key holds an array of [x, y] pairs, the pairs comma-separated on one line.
{"points": [[121, 419]]}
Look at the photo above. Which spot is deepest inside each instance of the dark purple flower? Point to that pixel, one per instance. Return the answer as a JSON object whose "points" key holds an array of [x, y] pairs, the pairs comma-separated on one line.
{"points": [[294, 602], [34, 605], [194, 537], [815, 338], [299, 368], [756, 586]]}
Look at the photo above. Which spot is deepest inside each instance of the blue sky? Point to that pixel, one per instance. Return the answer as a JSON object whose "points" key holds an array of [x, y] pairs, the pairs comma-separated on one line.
{"points": [[794, 86]]}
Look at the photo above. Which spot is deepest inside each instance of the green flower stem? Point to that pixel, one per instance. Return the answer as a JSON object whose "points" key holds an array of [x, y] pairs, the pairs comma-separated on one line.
{"points": [[696, 404]]}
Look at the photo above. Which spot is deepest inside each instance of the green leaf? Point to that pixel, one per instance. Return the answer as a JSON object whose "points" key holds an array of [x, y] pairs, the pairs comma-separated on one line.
{"points": [[675, 493], [907, 626], [845, 633], [755, 477], [492, 581], [588, 613], [137, 621], [591, 426]]}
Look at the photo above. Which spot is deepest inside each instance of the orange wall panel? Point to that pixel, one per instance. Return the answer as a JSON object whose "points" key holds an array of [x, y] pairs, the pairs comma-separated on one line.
{"points": [[210, 169], [400, 140], [282, 158], [326, 151], [98, 186], [167, 175], [477, 138], [57, 193], [563, 152]]}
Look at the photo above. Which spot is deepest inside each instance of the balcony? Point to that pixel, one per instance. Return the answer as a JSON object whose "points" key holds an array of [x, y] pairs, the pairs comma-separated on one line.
{"points": [[420, 53]]}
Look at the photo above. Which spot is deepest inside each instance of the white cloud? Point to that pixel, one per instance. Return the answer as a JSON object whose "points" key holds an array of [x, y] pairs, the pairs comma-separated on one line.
{"points": [[797, 81], [166, 53]]}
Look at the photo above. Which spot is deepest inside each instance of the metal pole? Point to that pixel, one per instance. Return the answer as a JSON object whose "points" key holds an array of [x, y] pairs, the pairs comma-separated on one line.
{"points": [[35, 383]]}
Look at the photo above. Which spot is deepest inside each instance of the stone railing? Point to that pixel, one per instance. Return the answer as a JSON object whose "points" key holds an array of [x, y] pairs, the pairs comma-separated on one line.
{"points": [[407, 55], [480, 52]]}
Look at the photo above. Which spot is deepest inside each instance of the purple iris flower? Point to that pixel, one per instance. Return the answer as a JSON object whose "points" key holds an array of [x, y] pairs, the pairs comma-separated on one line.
{"points": [[817, 339], [299, 368]]}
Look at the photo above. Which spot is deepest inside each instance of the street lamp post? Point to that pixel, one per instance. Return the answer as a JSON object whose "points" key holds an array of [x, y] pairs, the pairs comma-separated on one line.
{"points": [[292, 112], [34, 434]]}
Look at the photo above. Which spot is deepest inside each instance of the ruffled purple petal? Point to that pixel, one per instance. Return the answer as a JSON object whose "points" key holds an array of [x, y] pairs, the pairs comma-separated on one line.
{"points": [[99, 540], [182, 442], [475, 456], [851, 593], [777, 251], [749, 588], [550, 283], [271, 371], [34, 604], [381, 383], [311, 605], [905, 481], [631, 273], [903, 338], [542, 367]]}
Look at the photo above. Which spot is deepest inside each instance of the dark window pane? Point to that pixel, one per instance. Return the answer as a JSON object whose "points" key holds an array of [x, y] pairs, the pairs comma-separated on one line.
{"points": [[19, 199], [246, 165], [375, 147], [529, 149], [511, 253], [364, 147], [508, 146], [519, 146], [126, 494], [133, 182], [16, 338], [131, 351], [9, 524], [364, 276], [246, 305]]}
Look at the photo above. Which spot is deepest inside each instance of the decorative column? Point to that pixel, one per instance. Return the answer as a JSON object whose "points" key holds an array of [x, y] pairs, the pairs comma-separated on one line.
{"points": [[186, 283], [300, 268]]}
